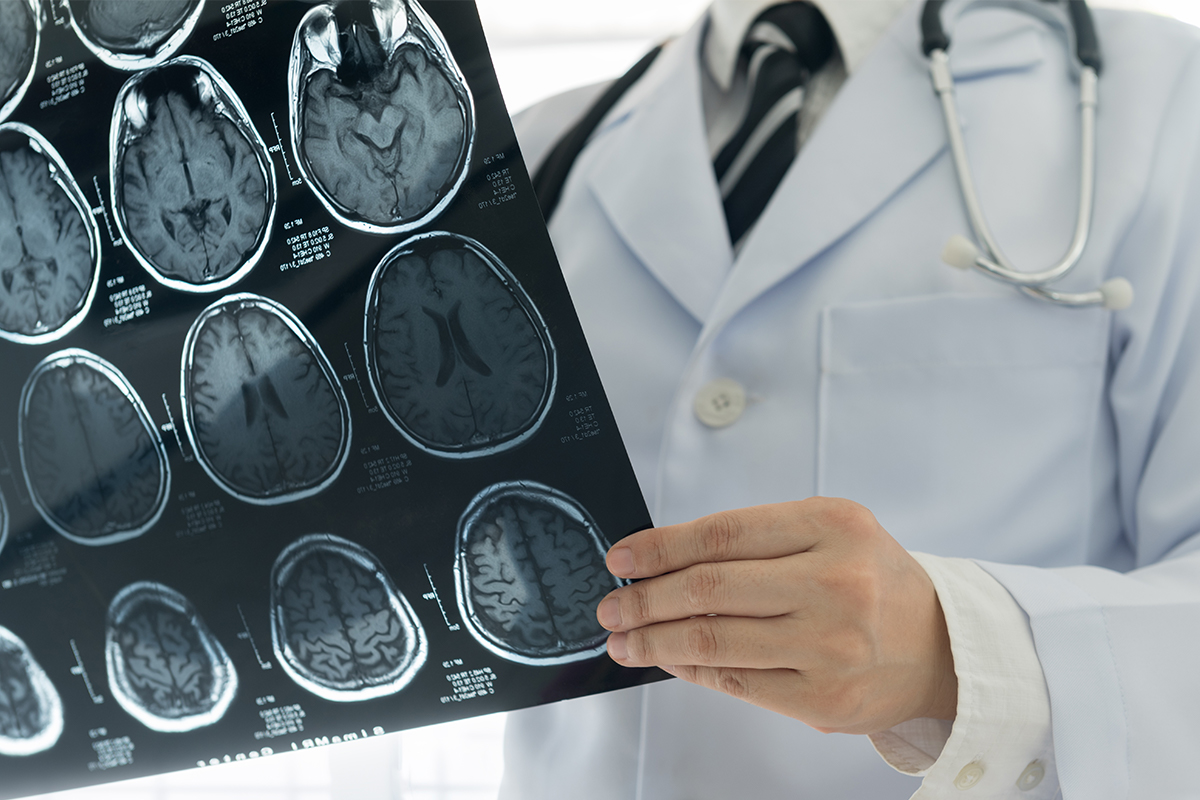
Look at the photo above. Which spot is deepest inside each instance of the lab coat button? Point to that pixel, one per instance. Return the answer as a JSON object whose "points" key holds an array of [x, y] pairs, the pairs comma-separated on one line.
{"points": [[1032, 776], [720, 402], [969, 775]]}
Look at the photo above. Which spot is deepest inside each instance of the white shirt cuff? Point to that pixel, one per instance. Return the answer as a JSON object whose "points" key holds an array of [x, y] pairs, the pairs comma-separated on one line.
{"points": [[1000, 744]]}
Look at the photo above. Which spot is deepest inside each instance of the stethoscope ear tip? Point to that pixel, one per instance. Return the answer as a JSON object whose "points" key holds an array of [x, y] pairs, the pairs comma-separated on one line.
{"points": [[960, 252], [1117, 294]]}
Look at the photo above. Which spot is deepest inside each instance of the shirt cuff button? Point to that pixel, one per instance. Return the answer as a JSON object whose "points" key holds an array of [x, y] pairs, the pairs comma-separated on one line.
{"points": [[969, 776], [1031, 777]]}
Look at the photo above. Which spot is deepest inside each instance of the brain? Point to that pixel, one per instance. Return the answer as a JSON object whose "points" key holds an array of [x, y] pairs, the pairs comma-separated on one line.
{"points": [[136, 26], [94, 462], [164, 666], [262, 405], [530, 573], [382, 122], [49, 246], [459, 358], [340, 627], [18, 49], [31, 716], [192, 185]]}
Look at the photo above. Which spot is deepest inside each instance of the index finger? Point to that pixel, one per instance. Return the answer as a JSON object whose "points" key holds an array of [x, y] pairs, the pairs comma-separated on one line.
{"points": [[749, 533]]}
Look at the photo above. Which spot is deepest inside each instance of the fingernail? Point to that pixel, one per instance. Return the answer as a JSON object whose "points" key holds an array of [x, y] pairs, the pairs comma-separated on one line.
{"points": [[609, 613], [620, 562], [670, 671], [616, 647]]}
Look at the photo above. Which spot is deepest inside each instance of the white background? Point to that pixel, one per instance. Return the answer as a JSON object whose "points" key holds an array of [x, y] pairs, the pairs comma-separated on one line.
{"points": [[540, 48]]}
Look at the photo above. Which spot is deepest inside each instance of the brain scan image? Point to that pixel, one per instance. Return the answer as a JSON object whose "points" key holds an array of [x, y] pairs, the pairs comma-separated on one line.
{"points": [[20, 37], [31, 712], [93, 459], [262, 406], [458, 356], [529, 574], [339, 626], [164, 665], [192, 185], [134, 34], [382, 121], [49, 241]]}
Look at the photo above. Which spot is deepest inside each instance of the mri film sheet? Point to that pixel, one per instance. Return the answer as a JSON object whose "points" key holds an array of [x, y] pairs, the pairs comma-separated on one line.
{"points": [[300, 438]]}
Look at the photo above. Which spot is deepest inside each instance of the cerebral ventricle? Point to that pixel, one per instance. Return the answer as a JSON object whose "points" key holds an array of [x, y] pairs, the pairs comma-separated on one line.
{"points": [[93, 459], [263, 406], [193, 189], [459, 357]]}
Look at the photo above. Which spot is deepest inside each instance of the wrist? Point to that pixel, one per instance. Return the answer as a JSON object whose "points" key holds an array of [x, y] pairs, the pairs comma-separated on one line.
{"points": [[943, 702]]}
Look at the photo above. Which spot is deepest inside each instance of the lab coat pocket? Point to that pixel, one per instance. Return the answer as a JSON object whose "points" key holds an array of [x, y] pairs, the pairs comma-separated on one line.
{"points": [[965, 423]]}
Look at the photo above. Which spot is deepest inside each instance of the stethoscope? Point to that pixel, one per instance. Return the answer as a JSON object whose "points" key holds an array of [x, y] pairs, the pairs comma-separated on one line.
{"points": [[987, 257]]}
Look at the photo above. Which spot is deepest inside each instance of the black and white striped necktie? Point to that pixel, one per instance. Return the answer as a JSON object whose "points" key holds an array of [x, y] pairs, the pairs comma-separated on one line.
{"points": [[785, 45]]}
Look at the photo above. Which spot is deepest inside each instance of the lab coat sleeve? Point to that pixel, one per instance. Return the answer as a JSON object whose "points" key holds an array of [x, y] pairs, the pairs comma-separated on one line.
{"points": [[1120, 650], [1000, 741]]}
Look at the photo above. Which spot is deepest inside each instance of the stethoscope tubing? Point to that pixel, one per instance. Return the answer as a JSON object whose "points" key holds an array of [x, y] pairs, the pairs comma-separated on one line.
{"points": [[998, 266], [1115, 293]]}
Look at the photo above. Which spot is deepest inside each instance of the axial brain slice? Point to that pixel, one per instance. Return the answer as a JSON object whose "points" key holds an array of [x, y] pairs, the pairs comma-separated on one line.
{"points": [[340, 627], [164, 666], [132, 25], [531, 572], [263, 408], [31, 718], [47, 265], [18, 37], [385, 132], [193, 195], [95, 465], [460, 361]]}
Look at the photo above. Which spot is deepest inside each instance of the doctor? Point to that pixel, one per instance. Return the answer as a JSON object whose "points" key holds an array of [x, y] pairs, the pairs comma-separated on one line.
{"points": [[1008, 602]]}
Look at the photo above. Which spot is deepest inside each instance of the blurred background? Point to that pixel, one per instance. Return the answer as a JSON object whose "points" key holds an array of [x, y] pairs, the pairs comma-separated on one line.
{"points": [[540, 48]]}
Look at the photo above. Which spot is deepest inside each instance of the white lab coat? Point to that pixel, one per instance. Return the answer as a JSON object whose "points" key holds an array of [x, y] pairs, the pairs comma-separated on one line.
{"points": [[1060, 447]]}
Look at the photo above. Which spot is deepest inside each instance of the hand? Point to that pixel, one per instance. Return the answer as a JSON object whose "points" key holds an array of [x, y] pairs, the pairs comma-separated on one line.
{"points": [[808, 608]]}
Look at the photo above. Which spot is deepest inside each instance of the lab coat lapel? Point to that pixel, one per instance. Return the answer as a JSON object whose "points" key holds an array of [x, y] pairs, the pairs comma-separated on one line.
{"points": [[884, 127], [663, 200]]}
